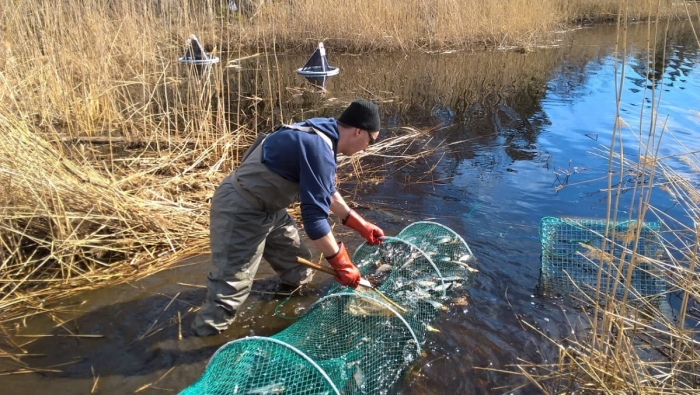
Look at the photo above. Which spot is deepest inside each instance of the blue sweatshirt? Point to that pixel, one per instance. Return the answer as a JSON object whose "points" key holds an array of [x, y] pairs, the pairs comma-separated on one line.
{"points": [[305, 158]]}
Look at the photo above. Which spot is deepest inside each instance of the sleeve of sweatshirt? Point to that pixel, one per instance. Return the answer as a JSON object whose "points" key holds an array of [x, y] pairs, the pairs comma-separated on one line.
{"points": [[316, 186]]}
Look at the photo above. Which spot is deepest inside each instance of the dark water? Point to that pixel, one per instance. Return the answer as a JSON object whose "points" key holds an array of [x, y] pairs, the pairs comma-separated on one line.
{"points": [[512, 125]]}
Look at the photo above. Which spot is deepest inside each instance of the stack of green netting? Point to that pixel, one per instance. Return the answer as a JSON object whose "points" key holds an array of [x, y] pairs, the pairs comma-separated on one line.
{"points": [[352, 341], [573, 250]]}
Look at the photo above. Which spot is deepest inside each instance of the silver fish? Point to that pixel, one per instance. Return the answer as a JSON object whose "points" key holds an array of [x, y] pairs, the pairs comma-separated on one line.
{"points": [[274, 388], [359, 377], [427, 283], [451, 278], [465, 258], [443, 287], [421, 294], [464, 265], [435, 304]]}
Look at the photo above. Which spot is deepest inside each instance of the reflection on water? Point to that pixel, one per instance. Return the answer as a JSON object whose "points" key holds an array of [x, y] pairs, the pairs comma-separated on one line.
{"points": [[318, 82], [513, 127]]}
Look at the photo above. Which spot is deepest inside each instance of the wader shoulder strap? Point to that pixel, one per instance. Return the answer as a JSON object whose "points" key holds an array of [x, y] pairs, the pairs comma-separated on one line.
{"points": [[261, 136], [258, 140], [309, 129]]}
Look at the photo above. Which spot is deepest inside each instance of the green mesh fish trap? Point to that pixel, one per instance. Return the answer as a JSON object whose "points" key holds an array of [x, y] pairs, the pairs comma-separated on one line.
{"points": [[573, 249], [352, 341]]}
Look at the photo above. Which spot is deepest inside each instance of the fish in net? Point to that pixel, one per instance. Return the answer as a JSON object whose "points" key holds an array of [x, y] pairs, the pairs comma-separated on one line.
{"points": [[353, 341]]}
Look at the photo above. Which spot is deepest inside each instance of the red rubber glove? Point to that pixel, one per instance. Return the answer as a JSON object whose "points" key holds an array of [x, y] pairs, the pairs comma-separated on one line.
{"points": [[348, 274], [368, 230]]}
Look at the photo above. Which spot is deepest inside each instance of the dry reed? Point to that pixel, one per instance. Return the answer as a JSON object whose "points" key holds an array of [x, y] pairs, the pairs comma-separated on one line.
{"points": [[428, 25], [67, 226]]}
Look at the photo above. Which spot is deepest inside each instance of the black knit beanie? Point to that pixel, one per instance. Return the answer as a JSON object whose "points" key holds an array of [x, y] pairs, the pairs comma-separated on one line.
{"points": [[361, 114]]}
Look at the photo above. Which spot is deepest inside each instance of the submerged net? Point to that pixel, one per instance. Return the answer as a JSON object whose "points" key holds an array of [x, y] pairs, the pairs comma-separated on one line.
{"points": [[574, 249], [353, 341]]}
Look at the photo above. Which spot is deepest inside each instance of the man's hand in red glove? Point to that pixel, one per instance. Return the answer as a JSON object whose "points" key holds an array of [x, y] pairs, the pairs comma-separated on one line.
{"points": [[367, 230], [348, 274]]}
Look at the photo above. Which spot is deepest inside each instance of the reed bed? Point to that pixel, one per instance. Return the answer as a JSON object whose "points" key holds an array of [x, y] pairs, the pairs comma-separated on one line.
{"points": [[635, 344], [115, 147], [68, 226], [433, 25], [103, 67]]}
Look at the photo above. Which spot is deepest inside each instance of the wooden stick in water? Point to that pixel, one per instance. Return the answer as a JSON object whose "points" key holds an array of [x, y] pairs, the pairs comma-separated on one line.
{"points": [[364, 283], [316, 266]]}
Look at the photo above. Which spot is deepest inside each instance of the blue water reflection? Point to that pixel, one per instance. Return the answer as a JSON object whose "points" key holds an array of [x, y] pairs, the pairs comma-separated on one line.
{"points": [[515, 168]]}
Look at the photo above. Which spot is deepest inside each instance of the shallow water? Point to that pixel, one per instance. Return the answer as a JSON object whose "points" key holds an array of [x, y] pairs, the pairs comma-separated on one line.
{"points": [[516, 123]]}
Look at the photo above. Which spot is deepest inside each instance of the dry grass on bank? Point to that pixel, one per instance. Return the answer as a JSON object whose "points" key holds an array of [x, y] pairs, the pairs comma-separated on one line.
{"points": [[68, 225]]}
